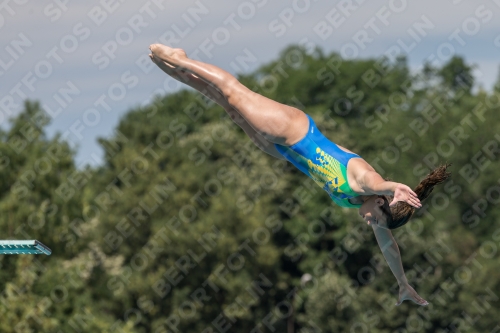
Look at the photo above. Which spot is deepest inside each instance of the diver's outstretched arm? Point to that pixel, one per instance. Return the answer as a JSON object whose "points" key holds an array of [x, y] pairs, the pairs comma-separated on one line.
{"points": [[373, 183], [390, 250]]}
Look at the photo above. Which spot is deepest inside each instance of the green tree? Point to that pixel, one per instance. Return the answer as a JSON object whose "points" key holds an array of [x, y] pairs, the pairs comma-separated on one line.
{"points": [[188, 226], [40, 200], [456, 74]]}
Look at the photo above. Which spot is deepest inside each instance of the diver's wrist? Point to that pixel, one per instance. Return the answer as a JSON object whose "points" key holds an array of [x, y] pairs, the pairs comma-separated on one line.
{"points": [[403, 282], [394, 187], [391, 186]]}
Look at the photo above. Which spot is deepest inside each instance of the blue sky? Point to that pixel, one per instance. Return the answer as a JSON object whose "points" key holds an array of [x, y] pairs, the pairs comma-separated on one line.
{"points": [[96, 50]]}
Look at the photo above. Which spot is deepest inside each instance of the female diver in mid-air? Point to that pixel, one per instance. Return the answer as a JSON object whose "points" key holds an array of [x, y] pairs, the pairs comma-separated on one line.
{"points": [[288, 133]]}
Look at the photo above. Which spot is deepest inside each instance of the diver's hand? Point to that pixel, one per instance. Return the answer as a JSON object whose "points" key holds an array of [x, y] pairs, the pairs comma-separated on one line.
{"points": [[406, 194], [406, 292]]}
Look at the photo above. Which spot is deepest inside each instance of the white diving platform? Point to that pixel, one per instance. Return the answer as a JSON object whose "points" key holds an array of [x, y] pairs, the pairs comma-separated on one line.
{"points": [[23, 247]]}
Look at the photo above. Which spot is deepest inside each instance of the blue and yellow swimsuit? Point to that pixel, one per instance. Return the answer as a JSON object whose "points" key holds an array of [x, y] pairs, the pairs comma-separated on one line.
{"points": [[324, 162]]}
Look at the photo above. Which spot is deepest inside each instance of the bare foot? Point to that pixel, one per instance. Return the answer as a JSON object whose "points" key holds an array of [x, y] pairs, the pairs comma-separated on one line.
{"points": [[167, 53], [175, 72], [160, 62]]}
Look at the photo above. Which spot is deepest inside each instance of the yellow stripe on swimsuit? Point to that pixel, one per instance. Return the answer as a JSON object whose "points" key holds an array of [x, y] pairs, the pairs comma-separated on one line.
{"points": [[324, 162]]}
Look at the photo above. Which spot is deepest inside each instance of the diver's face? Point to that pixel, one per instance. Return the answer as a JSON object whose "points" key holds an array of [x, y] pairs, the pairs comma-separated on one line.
{"points": [[371, 212]]}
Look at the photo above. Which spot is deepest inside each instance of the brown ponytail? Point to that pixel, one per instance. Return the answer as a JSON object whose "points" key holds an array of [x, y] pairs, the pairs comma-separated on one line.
{"points": [[399, 214]]}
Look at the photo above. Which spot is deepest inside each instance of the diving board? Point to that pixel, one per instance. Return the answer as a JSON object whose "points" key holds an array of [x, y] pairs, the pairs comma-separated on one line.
{"points": [[23, 247]]}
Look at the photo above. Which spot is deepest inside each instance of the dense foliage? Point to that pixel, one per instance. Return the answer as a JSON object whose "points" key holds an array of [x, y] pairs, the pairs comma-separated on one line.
{"points": [[188, 227]]}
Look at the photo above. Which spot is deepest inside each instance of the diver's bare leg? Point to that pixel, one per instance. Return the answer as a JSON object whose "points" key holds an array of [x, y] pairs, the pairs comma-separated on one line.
{"points": [[214, 95], [278, 123]]}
